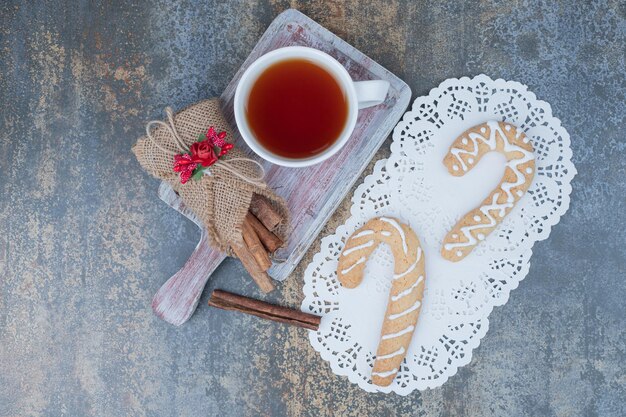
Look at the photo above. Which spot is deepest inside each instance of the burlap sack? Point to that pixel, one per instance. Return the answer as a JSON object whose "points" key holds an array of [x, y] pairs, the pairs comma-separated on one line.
{"points": [[220, 200]]}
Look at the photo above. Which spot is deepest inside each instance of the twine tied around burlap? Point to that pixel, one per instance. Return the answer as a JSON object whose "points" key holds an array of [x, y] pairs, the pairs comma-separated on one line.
{"points": [[220, 199]]}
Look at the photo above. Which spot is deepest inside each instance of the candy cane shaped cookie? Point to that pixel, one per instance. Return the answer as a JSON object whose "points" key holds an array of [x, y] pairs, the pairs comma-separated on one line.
{"points": [[463, 155], [407, 287]]}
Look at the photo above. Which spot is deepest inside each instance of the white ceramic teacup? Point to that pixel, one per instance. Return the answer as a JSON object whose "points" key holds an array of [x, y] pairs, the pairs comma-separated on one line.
{"points": [[359, 95]]}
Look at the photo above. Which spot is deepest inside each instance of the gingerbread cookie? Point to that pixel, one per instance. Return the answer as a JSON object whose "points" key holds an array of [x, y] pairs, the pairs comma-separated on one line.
{"points": [[463, 155], [407, 288]]}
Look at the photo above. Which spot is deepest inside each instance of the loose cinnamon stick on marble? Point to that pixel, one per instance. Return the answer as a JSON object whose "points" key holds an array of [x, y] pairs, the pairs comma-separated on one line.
{"points": [[265, 212], [229, 301], [267, 238], [259, 276], [255, 246]]}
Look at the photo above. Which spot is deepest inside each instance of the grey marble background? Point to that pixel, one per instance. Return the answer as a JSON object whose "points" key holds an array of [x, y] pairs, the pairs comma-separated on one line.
{"points": [[85, 243]]}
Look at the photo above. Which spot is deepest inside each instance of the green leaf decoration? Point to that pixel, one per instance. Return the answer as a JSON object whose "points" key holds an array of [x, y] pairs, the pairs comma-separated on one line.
{"points": [[197, 173], [200, 138]]}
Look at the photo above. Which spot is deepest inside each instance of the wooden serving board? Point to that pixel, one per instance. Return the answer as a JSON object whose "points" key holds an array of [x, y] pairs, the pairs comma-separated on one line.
{"points": [[313, 193]]}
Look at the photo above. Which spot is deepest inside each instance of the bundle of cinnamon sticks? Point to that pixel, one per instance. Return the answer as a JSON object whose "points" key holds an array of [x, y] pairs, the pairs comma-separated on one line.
{"points": [[259, 241]]}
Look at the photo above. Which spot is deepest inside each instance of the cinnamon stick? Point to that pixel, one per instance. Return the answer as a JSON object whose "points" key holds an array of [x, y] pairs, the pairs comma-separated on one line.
{"points": [[270, 241], [249, 262], [265, 212], [255, 246], [229, 301]]}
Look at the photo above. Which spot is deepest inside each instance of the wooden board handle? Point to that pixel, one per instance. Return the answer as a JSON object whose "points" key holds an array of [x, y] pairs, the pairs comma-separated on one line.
{"points": [[178, 298]]}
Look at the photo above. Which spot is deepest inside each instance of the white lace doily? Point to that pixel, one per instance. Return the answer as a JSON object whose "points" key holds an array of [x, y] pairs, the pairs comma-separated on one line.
{"points": [[414, 186]]}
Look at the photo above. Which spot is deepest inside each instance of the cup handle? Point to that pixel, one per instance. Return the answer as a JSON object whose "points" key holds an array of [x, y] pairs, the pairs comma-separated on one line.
{"points": [[371, 93]]}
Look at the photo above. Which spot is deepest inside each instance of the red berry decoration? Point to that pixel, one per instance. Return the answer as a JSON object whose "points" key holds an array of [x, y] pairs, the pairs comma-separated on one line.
{"points": [[184, 165], [201, 155]]}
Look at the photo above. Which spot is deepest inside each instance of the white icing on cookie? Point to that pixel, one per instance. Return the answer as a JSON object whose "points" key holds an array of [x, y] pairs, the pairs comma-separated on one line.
{"points": [[496, 135], [359, 261], [408, 290], [392, 354], [486, 210], [491, 141], [406, 286], [386, 374], [358, 247], [363, 233], [405, 312], [411, 267], [400, 231], [406, 330]]}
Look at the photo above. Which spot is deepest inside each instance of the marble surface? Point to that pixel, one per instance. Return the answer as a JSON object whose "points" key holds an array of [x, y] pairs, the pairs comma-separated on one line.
{"points": [[85, 242]]}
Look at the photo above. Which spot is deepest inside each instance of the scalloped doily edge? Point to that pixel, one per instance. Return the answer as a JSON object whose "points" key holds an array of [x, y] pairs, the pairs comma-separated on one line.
{"points": [[474, 342]]}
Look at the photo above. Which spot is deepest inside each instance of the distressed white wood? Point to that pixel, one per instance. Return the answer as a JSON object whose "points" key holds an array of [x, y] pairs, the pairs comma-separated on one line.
{"points": [[178, 298], [312, 193]]}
